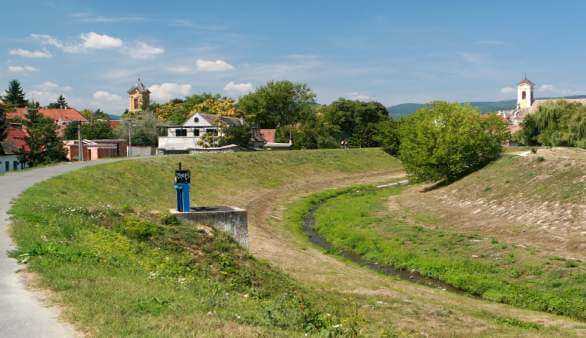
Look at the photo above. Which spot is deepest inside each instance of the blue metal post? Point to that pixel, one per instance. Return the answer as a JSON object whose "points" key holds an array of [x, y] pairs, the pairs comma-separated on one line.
{"points": [[182, 185]]}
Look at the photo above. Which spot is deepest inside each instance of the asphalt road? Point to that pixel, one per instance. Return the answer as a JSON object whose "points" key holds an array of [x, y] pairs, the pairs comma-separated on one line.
{"points": [[22, 313]]}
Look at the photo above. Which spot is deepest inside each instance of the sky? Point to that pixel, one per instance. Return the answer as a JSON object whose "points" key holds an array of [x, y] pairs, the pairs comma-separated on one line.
{"points": [[393, 52]]}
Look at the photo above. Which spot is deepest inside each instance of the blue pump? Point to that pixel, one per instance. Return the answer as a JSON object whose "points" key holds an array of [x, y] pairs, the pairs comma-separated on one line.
{"points": [[182, 186]]}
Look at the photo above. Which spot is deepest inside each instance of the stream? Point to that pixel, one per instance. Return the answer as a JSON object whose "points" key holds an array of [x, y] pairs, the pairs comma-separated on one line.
{"points": [[409, 275]]}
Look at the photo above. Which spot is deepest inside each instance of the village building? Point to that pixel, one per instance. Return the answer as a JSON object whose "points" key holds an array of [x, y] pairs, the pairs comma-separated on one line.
{"points": [[61, 117], [12, 145], [190, 136], [527, 104], [95, 149], [138, 97]]}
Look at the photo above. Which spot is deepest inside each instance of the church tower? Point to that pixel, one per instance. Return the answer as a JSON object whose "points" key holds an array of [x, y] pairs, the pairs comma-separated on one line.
{"points": [[138, 97], [525, 90]]}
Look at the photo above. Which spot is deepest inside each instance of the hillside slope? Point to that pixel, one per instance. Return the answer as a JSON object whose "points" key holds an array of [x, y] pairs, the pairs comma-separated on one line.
{"points": [[101, 240], [538, 200]]}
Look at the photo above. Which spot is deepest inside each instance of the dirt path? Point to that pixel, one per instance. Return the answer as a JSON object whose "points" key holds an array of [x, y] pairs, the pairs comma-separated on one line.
{"points": [[383, 300]]}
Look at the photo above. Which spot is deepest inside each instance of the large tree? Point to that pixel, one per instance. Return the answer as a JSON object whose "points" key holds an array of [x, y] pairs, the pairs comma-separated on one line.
{"points": [[356, 121], [143, 129], [94, 130], [445, 141], [44, 144], [14, 95], [61, 103], [277, 104], [3, 128]]}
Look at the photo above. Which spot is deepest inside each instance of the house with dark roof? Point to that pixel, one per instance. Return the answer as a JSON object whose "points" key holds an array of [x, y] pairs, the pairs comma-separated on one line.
{"points": [[191, 135]]}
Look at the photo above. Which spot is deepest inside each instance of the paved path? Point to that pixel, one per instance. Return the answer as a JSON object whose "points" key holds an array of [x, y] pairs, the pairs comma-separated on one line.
{"points": [[22, 313]]}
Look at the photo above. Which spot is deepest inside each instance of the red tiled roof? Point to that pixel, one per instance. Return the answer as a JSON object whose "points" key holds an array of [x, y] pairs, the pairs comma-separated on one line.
{"points": [[57, 115], [15, 139]]}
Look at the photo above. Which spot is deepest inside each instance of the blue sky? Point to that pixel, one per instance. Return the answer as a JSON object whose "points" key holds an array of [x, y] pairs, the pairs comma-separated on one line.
{"points": [[389, 51]]}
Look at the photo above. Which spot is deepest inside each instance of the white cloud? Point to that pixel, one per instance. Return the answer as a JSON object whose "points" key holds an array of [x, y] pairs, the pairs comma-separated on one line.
{"points": [[167, 91], [91, 18], [48, 40], [213, 66], [142, 51], [34, 54], [473, 58], [507, 90], [490, 43], [87, 41], [360, 97], [178, 69], [48, 92], [238, 88], [546, 88], [102, 96], [94, 40], [23, 70]]}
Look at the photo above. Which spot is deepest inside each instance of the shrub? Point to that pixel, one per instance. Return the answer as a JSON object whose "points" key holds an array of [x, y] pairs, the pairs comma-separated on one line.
{"points": [[446, 141], [138, 228]]}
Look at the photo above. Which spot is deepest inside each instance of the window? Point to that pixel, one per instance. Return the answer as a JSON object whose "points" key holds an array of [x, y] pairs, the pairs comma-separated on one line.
{"points": [[195, 119], [7, 166], [136, 102], [180, 132], [15, 165], [195, 132], [213, 132], [524, 95]]}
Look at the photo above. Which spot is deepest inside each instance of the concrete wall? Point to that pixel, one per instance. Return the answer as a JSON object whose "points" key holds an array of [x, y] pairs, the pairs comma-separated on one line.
{"points": [[141, 151], [234, 222]]}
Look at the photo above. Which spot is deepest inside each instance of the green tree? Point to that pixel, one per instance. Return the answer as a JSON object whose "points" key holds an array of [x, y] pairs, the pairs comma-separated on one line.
{"points": [[143, 127], [93, 130], [388, 136], [44, 144], [313, 132], [240, 135], [446, 141], [277, 104], [61, 103], [14, 95], [356, 121], [3, 128]]}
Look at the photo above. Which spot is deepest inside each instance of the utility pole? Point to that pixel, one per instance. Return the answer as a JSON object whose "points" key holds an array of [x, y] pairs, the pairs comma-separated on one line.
{"points": [[80, 145], [129, 152]]}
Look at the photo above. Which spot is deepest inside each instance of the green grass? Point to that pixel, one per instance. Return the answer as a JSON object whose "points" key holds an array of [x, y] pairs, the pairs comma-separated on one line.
{"points": [[100, 238], [357, 219], [538, 180]]}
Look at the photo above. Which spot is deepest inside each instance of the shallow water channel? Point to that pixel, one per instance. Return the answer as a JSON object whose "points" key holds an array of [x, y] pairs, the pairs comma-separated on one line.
{"points": [[409, 275]]}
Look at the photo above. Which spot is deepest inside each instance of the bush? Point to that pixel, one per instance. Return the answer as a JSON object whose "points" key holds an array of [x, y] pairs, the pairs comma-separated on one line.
{"points": [[138, 229], [446, 141]]}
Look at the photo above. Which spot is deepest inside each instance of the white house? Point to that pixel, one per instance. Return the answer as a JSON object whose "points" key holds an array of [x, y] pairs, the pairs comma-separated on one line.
{"points": [[188, 137]]}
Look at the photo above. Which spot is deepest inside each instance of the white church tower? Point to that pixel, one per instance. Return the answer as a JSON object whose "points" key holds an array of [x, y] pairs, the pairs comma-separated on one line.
{"points": [[525, 90]]}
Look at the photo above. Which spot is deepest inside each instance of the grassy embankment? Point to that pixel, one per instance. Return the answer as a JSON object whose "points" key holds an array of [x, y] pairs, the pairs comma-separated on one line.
{"points": [[100, 238], [364, 220]]}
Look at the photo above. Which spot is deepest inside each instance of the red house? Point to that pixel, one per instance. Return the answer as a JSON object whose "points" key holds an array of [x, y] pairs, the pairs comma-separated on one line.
{"points": [[61, 117]]}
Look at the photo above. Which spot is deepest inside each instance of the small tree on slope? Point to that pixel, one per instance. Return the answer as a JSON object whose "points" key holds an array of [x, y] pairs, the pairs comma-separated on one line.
{"points": [[446, 141]]}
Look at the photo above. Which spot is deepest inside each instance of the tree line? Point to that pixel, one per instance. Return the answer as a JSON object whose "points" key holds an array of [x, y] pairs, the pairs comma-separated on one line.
{"points": [[555, 124]]}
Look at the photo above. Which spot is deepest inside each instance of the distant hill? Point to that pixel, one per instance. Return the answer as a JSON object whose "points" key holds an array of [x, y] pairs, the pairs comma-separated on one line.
{"points": [[484, 106]]}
